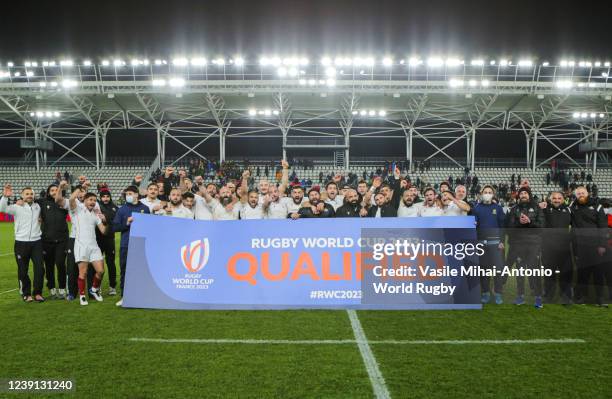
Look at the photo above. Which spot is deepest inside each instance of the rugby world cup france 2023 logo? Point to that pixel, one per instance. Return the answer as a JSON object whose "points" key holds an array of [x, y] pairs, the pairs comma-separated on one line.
{"points": [[195, 255]]}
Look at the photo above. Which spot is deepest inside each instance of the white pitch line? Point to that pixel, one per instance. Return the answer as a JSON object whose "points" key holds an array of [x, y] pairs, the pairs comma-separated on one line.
{"points": [[353, 341], [10, 253], [14, 289]]}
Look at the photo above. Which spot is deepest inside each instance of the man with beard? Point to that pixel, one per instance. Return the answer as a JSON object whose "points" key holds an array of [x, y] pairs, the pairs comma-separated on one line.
{"points": [[556, 254], [189, 200], [383, 208], [251, 207], [274, 206], [54, 241], [175, 207], [106, 242], [590, 230], [122, 223], [86, 250], [408, 208], [201, 209], [490, 221], [451, 206], [333, 197], [316, 207], [28, 243], [415, 194], [295, 202], [524, 221], [352, 206], [151, 200], [431, 205], [223, 208]]}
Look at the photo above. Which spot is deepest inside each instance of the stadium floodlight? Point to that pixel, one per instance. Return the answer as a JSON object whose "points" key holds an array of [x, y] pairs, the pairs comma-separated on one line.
{"points": [[17, 74], [177, 82], [330, 71], [583, 115], [492, 62], [402, 62], [485, 83], [34, 64], [66, 63], [52, 63], [455, 82], [564, 84], [414, 61], [563, 64], [27, 64], [157, 62], [105, 63], [118, 63], [504, 63], [604, 74], [602, 115], [264, 61], [180, 62], [322, 81], [30, 74], [32, 114], [293, 72], [302, 82], [56, 114], [382, 113], [282, 72], [435, 62], [371, 112], [597, 64], [576, 114], [267, 112], [331, 82], [252, 112], [387, 61], [325, 61], [592, 115], [158, 82], [354, 112], [45, 63], [472, 83], [453, 62], [396, 95], [607, 64], [275, 61], [40, 114], [571, 64], [135, 62], [53, 84], [545, 64], [478, 62], [304, 61], [42, 84], [525, 63], [10, 64], [363, 112], [219, 62], [48, 114], [87, 63], [239, 61], [69, 83], [275, 112], [369, 61], [312, 82]]}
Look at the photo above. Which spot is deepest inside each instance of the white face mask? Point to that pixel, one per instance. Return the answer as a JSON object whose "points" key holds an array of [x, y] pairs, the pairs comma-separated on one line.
{"points": [[608, 211], [129, 199], [487, 198]]}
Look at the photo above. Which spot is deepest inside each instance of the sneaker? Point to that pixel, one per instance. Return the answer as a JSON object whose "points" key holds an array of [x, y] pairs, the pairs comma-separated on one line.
{"points": [[52, 293], [83, 300], [520, 300], [39, 298], [70, 297], [485, 297], [538, 302], [119, 303], [112, 291], [96, 294], [27, 298], [499, 299], [61, 293]]}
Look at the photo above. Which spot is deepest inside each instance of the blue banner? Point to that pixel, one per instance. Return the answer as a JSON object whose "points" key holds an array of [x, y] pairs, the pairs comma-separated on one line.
{"points": [[176, 263]]}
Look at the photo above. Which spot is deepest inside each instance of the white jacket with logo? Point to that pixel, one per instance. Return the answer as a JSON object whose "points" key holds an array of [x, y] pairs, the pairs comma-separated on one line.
{"points": [[27, 219]]}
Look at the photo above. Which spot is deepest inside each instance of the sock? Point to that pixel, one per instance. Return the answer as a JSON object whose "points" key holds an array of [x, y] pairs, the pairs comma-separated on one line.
{"points": [[81, 283], [96, 282]]}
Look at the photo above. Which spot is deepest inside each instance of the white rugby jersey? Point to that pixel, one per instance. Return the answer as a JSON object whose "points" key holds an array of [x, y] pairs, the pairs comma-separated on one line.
{"points": [[248, 212], [413, 210], [277, 210], [84, 224], [431, 211], [66, 206], [179, 212], [291, 206], [150, 204], [220, 213], [336, 202], [201, 210], [453, 210]]}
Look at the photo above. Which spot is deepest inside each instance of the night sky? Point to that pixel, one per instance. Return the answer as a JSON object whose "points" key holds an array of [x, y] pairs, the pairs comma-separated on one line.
{"points": [[538, 28]]}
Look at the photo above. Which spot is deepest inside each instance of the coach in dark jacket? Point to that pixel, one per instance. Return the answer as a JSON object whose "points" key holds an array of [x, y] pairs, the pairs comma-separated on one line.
{"points": [[54, 240], [106, 241]]}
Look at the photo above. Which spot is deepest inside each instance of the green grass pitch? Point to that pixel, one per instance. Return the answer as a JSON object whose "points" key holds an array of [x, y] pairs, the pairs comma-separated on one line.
{"points": [[91, 345]]}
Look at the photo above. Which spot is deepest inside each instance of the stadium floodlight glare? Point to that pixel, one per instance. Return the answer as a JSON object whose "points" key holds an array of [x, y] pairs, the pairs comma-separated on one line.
{"points": [[330, 71], [387, 61], [53, 84], [252, 112], [382, 112], [158, 82], [302, 82], [69, 83], [198, 61], [27, 64], [275, 61], [304, 61], [40, 114], [293, 72], [218, 61], [545, 64], [602, 115], [369, 61], [105, 63], [10, 64], [354, 112], [282, 72], [371, 112], [607, 64], [597, 64], [435, 62], [239, 61], [135, 62], [267, 112], [66, 63], [576, 114], [363, 112], [525, 63], [177, 82], [157, 62], [56, 114], [477, 62], [454, 62], [485, 83], [565, 84], [41, 84], [325, 61], [414, 61], [455, 82], [592, 115], [583, 115], [312, 82], [472, 83], [504, 63], [330, 82], [275, 112], [563, 64], [604, 74], [180, 62], [30, 74], [118, 63], [87, 63]]}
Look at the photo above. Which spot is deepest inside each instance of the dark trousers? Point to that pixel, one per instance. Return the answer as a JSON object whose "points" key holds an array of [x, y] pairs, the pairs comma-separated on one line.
{"points": [[528, 257], [492, 257], [72, 270], [589, 263], [54, 254], [24, 252], [123, 254], [560, 259], [107, 247]]}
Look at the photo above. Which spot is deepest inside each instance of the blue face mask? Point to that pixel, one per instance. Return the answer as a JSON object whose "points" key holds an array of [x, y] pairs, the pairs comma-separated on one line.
{"points": [[129, 199]]}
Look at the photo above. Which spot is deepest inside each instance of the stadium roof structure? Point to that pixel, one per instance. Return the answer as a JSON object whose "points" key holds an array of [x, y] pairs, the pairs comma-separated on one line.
{"points": [[310, 105]]}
